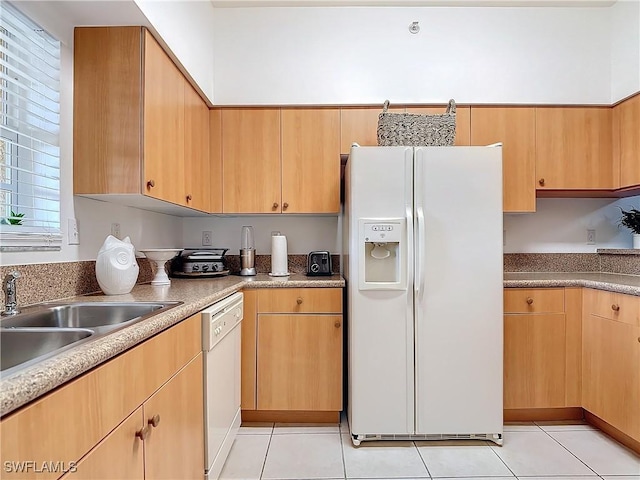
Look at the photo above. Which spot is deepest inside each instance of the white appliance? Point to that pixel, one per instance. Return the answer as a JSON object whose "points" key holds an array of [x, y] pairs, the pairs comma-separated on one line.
{"points": [[221, 345], [424, 274]]}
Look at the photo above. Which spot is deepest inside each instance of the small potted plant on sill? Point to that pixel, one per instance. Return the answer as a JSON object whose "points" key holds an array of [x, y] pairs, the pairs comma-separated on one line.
{"points": [[631, 220], [13, 219]]}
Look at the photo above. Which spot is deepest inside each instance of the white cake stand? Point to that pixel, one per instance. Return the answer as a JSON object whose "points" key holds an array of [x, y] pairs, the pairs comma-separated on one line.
{"points": [[160, 256]]}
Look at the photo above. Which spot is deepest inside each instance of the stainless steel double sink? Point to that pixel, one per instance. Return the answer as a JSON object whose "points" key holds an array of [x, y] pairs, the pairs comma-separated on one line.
{"points": [[45, 330]]}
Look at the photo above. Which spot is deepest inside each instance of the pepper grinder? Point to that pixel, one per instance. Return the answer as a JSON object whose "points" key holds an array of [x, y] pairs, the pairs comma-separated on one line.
{"points": [[247, 252]]}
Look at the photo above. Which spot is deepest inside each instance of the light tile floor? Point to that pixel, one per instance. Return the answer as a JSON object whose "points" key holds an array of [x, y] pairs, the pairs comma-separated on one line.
{"points": [[533, 451]]}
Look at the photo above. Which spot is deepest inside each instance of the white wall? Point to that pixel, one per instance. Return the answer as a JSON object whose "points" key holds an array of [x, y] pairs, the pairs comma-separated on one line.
{"points": [[560, 225], [59, 17], [187, 29], [332, 57], [346, 55], [625, 49], [304, 233], [94, 218]]}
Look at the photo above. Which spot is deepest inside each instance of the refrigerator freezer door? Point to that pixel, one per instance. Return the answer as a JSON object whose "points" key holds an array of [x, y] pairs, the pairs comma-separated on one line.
{"points": [[380, 321], [458, 306]]}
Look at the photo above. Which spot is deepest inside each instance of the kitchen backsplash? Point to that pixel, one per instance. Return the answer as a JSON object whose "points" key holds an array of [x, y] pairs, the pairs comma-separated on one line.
{"points": [[606, 260], [551, 262], [54, 281], [43, 282]]}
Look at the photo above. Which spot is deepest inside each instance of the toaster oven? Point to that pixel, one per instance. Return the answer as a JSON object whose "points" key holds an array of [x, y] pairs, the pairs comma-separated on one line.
{"points": [[201, 263]]}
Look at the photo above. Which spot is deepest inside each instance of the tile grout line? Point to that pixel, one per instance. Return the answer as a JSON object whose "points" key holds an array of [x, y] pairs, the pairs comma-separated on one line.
{"points": [[578, 458], [422, 459], [491, 446], [344, 462], [264, 462]]}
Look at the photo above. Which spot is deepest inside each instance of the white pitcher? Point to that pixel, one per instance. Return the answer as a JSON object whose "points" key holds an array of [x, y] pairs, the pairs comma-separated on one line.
{"points": [[116, 266]]}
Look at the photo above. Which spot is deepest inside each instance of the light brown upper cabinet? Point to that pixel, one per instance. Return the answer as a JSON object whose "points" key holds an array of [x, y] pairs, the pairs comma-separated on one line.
{"points": [[360, 125], [626, 140], [196, 151], [515, 127], [310, 160], [215, 159], [574, 148], [251, 160], [131, 118], [163, 130]]}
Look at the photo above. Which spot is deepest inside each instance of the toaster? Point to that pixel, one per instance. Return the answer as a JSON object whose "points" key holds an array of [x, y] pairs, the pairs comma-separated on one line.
{"points": [[319, 263]]}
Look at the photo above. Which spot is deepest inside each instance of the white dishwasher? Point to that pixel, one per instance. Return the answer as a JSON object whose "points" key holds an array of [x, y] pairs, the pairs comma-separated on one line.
{"points": [[221, 345]]}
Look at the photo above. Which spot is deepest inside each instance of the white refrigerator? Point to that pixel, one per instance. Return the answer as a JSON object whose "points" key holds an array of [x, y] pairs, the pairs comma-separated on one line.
{"points": [[424, 269]]}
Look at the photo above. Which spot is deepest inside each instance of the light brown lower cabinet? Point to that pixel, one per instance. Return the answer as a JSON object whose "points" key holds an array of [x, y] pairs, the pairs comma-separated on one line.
{"points": [[299, 362], [174, 447], [120, 455], [292, 340], [542, 335], [92, 420], [611, 360], [157, 440], [573, 350], [534, 369]]}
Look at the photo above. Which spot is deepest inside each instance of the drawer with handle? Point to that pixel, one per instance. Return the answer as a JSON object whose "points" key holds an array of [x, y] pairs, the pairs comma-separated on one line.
{"points": [[533, 300], [614, 306], [300, 300]]}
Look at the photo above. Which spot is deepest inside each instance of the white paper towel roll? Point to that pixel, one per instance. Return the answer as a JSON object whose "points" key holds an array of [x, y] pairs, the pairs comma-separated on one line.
{"points": [[279, 255]]}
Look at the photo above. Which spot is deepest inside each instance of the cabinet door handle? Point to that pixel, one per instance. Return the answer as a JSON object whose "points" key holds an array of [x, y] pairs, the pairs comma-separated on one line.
{"points": [[541, 182], [143, 433], [529, 301], [285, 205], [299, 301], [274, 206], [189, 198], [155, 420], [615, 307], [337, 324], [151, 184]]}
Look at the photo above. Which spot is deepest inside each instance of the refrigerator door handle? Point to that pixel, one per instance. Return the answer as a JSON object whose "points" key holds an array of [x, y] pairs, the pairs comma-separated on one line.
{"points": [[420, 243]]}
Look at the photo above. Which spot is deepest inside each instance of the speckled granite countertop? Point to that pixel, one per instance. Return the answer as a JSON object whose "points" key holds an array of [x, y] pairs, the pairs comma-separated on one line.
{"points": [[612, 282], [22, 387], [196, 294]]}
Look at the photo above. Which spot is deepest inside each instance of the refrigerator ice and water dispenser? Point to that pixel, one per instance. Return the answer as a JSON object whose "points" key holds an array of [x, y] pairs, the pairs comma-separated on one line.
{"points": [[382, 247]]}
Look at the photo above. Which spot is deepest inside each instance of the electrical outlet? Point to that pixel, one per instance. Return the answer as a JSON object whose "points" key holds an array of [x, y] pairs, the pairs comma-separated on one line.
{"points": [[73, 236], [591, 237], [206, 239], [115, 230]]}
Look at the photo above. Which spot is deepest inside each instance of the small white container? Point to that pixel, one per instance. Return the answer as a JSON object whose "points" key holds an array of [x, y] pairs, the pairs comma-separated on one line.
{"points": [[116, 266]]}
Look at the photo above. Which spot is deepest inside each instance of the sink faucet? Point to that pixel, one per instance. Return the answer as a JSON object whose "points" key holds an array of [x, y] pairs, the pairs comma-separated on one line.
{"points": [[10, 297]]}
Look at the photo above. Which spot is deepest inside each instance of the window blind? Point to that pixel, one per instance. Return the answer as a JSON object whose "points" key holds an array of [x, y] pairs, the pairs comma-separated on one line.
{"points": [[29, 134]]}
